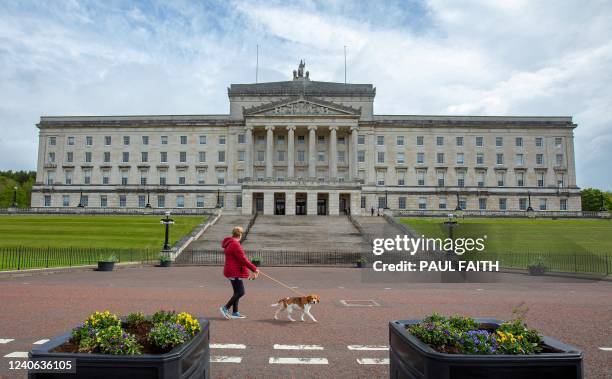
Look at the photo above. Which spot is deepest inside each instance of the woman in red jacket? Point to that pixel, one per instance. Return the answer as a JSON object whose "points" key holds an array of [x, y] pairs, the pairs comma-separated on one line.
{"points": [[236, 268]]}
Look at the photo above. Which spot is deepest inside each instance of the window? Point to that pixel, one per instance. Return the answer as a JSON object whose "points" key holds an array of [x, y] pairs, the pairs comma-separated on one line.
{"points": [[442, 202], [261, 155], [440, 158], [503, 204], [221, 201], [180, 201], [381, 157], [559, 159], [88, 140], [144, 156], [201, 176], [107, 140], [103, 201], [460, 158], [401, 202], [539, 142], [141, 201], [241, 138], [183, 140], [202, 140], [480, 179], [361, 156], [85, 200], [540, 159], [440, 178], [560, 180], [201, 156], [519, 141], [420, 158], [200, 201], [563, 204], [479, 158], [161, 201], [52, 141], [143, 177], [479, 141], [221, 177], [558, 142], [182, 156], [145, 140], [363, 202], [280, 139], [459, 141], [420, 140], [69, 157], [88, 157], [301, 140], [520, 179], [181, 177], [401, 177], [321, 140], [400, 158], [462, 203], [482, 203], [321, 156], [87, 176], [107, 157], [380, 140], [261, 139], [70, 141], [221, 156], [124, 177], [422, 203], [439, 141], [50, 177], [499, 141], [122, 201], [520, 160], [301, 156], [126, 157], [163, 175], [540, 176], [47, 201], [361, 139], [163, 157], [341, 141], [341, 157], [280, 155], [51, 157], [522, 204], [241, 155], [400, 140], [239, 201], [105, 177], [461, 179], [542, 204], [221, 140], [380, 177], [68, 177], [126, 140], [421, 178], [500, 159], [501, 179], [381, 202], [164, 140]]}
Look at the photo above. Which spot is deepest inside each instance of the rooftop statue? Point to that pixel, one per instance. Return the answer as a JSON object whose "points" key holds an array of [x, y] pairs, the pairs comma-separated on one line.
{"points": [[299, 74]]}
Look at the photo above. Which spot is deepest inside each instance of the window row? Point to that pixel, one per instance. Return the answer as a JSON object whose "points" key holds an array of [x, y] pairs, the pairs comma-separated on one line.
{"points": [[441, 158], [123, 201], [483, 203], [144, 140], [479, 141]]}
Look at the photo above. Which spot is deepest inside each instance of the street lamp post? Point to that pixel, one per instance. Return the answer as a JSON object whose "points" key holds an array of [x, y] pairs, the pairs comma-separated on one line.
{"points": [[15, 197], [603, 203], [530, 211], [148, 200], [218, 198], [386, 199], [81, 201], [167, 221], [458, 209]]}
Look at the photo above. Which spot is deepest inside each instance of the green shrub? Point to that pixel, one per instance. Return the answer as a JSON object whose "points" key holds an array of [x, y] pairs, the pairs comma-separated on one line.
{"points": [[164, 316], [114, 340], [168, 334], [135, 319]]}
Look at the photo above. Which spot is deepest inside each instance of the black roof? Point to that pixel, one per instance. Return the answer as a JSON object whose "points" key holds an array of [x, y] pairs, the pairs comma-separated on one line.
{"points": [[302, 87]]}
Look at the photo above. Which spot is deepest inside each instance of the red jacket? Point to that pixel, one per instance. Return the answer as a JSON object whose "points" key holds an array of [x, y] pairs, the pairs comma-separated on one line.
{"points": [[236, 262]]}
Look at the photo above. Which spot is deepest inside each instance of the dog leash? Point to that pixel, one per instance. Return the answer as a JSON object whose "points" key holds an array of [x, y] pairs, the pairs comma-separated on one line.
{"points": [[281, 283]]}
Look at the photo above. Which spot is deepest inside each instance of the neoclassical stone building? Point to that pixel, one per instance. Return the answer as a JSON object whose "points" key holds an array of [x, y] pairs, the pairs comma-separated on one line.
{"points": [[306, 147]]}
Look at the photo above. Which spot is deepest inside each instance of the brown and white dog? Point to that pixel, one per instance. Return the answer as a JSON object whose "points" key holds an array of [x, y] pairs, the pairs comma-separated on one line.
{"points": [[290, 303]]}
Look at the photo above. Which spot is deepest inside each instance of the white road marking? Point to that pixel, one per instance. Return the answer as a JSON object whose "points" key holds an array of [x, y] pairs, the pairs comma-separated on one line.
{"points": [[295, 287], [40, 342], [341, 287], [297, 347], [606, 348], [224, 359], [298, 361], [479, 289], [388, 288], [373, 361], [17, 354], [368, 347], [227, 346], [5, 340], [359, 303]]}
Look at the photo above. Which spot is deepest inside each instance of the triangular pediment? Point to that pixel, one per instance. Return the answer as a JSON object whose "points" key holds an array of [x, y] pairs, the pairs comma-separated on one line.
{"points": [[301, 107]]}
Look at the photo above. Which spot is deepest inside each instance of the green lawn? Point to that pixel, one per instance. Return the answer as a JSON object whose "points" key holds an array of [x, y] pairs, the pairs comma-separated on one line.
{"points": [[569, 244], [52, 241]]}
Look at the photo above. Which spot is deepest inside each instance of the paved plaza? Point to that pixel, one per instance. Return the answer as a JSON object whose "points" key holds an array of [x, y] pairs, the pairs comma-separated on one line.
{"points": [[348, 341]]}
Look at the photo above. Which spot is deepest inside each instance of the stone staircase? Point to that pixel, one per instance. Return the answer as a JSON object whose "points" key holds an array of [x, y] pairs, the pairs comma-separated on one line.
{"points": [[212, 237]]}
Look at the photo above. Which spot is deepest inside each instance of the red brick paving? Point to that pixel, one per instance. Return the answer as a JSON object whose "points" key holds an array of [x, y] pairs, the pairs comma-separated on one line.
{"points": [[42, 306]]}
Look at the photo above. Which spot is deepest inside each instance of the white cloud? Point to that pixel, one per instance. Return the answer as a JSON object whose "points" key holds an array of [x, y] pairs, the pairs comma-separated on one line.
{"points": [[438, 57]]}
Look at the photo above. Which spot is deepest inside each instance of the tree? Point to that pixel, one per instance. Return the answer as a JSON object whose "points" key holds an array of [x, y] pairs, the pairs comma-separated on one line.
{"points": [[591, 199], [23, 180]]}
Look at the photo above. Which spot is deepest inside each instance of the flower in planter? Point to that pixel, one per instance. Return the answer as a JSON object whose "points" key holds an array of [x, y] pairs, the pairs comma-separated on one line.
{"points": [[191, 325], [477, 342], [85, 337], [168, 334], [111, 258], [102, 320], [135, 319], [114, 340], [163, 316]]}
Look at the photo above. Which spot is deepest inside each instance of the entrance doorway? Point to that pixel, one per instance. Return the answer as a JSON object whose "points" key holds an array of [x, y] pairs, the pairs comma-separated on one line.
{"points": [[279, 203], [300, 203], [322, 201], [258, 202], [345, 203]]}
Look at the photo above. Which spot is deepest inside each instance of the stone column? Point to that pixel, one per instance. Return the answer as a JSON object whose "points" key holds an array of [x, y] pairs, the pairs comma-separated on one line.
{"points": [[291, 153], [290, 203], [247, 202], [312, 150], [311, 203], [249, 153], [353, 165], [269, 151], [333, 155], [334, 203], [268, 203]]}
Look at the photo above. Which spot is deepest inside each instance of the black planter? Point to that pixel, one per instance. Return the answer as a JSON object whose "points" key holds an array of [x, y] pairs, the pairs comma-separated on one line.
{"points": [[106, 266], [165, 263], [190, 360], [359, 264], [256, 263], [411, 358], [537, 270]]}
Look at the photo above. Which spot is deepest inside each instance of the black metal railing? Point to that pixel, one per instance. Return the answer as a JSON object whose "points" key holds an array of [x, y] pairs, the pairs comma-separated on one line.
{"points": [[273, 258], [110, 211], [249, 226], [23, 258], [491, 213]]}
